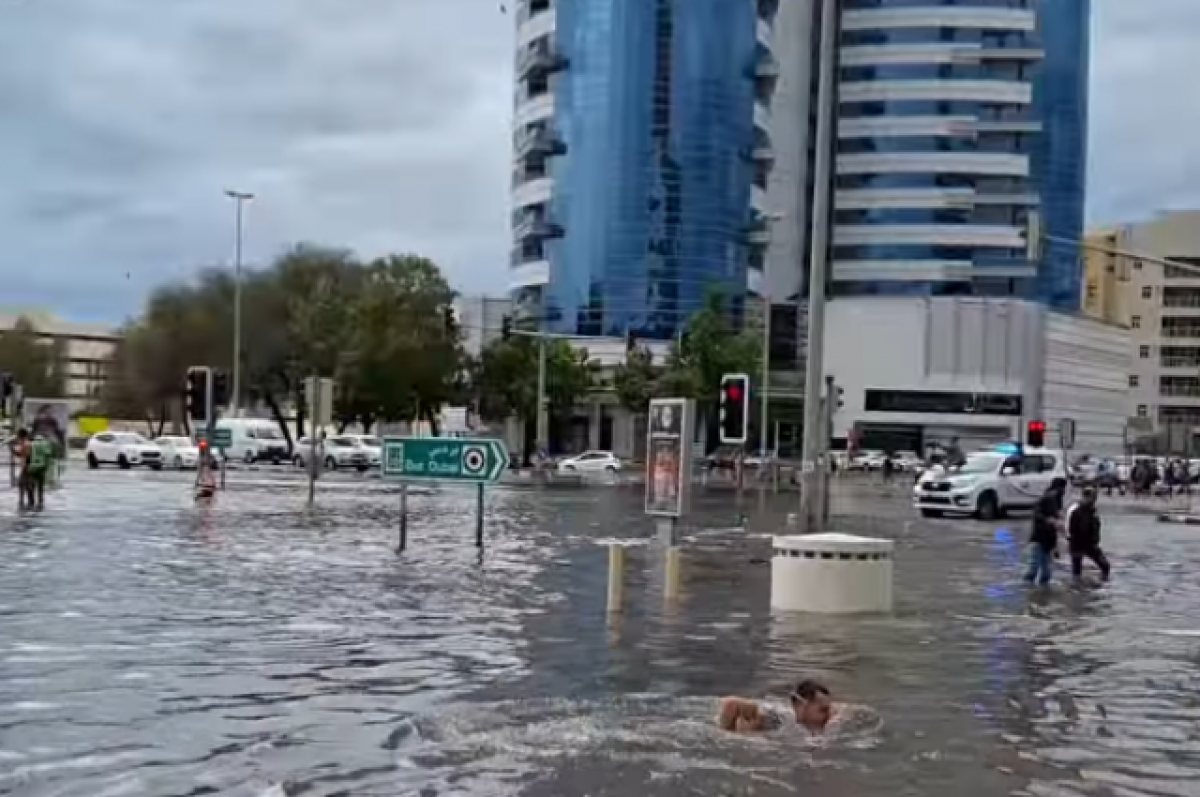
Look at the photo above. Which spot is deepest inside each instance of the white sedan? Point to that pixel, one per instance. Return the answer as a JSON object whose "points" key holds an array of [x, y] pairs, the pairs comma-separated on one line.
{"points": [[123, 449], [371, 445], [341, 451], [590, 461], [178, 452]]}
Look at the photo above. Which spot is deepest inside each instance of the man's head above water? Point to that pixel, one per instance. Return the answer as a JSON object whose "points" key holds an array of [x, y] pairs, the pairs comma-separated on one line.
{"points": [[812, 704]]}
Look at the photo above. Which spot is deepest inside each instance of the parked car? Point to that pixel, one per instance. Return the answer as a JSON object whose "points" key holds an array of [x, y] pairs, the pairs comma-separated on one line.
{"points": [[590, 461], [341, 451], [866, 460], [371, 445], [178, 452], [124, 449], [908, 461]]}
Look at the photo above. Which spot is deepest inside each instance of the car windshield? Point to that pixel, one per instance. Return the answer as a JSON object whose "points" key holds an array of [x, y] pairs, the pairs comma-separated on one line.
{"points": [[979, 463], [129, 437], [267, 433], [373, 442]]}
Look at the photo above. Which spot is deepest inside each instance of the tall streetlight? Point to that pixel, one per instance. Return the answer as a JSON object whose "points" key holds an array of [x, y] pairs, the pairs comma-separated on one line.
{"points": [[240, 198]]}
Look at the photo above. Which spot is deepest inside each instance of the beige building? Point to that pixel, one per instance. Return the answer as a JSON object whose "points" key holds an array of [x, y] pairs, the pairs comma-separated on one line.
{"points": [[87, 347], [1161, 305]]}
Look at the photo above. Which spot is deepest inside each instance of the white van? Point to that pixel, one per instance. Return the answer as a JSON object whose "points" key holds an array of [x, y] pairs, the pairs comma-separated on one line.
{"points": [[254, 440], [990, 483]]}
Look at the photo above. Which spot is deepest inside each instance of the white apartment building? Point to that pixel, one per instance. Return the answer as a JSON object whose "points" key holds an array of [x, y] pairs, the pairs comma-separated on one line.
{"points": [[1163, 307]]}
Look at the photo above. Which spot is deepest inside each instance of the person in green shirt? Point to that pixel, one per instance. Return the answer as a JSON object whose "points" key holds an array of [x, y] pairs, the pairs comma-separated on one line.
{"points": [[41, 459]]}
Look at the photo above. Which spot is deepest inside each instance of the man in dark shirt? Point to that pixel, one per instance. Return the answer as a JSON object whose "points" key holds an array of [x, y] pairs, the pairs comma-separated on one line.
{"points": [[1083, 531], [1044, 538]]}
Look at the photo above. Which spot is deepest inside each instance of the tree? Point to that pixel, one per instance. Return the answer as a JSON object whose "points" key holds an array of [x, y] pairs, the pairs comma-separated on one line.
{"points": [[36, 362], [636, 381], [507, 380], [710, 347]]}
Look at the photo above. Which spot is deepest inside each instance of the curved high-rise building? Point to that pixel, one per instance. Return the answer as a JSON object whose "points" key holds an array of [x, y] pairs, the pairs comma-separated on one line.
{"points": [[961, 133], [641, 158]]}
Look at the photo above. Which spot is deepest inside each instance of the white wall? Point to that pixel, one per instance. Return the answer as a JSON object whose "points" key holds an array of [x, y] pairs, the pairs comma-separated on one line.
{"points": [[945, 344], [1085, 378]]}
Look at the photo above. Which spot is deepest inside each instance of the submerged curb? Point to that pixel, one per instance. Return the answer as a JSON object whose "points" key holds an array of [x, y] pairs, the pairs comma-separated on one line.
{"points": [[1173, 517]]}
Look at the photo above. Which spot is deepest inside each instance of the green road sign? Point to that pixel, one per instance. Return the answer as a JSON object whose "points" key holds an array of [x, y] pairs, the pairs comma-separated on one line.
{"points": [[222, 438], [449, 459]]}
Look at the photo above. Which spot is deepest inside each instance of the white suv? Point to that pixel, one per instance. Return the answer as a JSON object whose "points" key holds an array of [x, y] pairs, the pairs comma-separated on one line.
{"points": [[990, 483]]}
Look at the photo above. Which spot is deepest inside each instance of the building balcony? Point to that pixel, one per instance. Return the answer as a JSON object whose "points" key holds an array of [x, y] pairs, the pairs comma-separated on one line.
{"points": [[537, 229], [758, 232], [540, 62], [541, 143]]}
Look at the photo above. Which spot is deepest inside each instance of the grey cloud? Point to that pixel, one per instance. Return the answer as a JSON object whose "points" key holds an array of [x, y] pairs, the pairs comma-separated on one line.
{"points": [[376, 124]]}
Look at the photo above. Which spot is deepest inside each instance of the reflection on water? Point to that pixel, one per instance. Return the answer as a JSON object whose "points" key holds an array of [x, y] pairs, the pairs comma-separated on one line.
{"points": [[151, 648]]}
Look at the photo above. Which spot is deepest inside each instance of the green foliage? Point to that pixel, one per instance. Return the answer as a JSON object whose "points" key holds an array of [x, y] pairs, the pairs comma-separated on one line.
{"points": [[37, 363], [380, 328], [637, 380], [506, 377], [710, 348]]}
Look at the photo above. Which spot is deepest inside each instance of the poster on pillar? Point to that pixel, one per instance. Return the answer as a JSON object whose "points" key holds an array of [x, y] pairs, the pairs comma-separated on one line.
{"points": [[669, 456]]}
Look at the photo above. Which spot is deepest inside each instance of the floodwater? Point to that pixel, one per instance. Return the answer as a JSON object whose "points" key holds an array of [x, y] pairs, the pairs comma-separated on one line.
{"points": [[148, 647]]}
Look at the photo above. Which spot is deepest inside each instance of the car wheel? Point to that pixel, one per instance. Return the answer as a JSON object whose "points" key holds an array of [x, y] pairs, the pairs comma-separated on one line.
{"points": [[987, 507], [122, 462], [930, 513], [178, 463], [331, 463], [93, 463]]}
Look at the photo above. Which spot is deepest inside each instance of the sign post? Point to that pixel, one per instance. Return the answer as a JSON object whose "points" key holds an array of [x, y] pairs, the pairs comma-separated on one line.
{"points": [[669, 463], [318, 393], [440, 459]]}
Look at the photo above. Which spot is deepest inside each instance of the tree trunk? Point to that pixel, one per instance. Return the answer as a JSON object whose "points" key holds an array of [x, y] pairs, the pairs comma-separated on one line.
{"points": [[300, 416], [277, 414], [368, 422], [431, 416], [162, 420], [342, 424], [149, 424]]}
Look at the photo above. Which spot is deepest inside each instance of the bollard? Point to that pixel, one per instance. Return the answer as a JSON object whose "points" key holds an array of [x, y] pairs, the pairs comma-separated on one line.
{"points": [[672, 572], [616, 577], [831, 574], [403, 518]]}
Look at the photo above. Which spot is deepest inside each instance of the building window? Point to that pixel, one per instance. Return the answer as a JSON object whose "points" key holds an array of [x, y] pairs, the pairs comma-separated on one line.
{"points": [[1143, 411], [1144, 352], [1133, 380], [1147, 292], [1135, 322]]}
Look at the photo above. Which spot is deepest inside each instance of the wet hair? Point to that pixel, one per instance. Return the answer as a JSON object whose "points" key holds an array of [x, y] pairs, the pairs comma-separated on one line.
{"points": [[1089, 492], [808, 689], [1059, 483]]}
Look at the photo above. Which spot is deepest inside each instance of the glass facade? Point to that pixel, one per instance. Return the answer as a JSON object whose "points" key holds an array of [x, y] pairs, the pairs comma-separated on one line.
{"points": [[1047, 124], [650, 204]]}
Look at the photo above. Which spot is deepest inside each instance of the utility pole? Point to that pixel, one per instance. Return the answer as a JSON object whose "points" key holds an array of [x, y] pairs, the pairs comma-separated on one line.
{"points": [[543, 419], [239, 198], [814, 442]]}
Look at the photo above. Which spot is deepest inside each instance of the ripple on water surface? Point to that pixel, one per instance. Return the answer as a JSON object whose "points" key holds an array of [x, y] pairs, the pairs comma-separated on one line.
{"points": [[150, 648]]}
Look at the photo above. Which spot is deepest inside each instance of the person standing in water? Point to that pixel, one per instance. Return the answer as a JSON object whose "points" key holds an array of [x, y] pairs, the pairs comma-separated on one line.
{"points": [[1043, 540], [206, 479], [37, 466], [811, 708], [1083, 533]]}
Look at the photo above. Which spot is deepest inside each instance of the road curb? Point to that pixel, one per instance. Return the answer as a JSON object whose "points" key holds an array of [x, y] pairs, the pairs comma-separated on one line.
{"points": [[1184, 520]]}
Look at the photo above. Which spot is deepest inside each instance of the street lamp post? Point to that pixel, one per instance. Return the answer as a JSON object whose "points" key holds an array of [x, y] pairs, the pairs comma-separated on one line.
{"points": [[239, 198]]}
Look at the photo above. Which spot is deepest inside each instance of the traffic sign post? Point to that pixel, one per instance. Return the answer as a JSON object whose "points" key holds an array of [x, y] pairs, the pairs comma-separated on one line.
{"points": [[441, 459], [221, 438]]}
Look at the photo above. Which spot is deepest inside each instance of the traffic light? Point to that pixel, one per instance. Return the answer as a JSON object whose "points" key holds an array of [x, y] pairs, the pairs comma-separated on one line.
{"points": [[220, 389], [1035, 434], [839, 397], [735, 408], [506, 327], [196, 392]]}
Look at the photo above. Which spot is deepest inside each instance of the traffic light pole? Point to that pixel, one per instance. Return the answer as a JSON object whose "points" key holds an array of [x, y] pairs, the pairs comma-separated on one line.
{"points": [[812, 458]]}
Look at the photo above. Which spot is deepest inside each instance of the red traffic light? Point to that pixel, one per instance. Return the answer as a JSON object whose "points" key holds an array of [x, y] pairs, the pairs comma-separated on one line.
{"points": [[203, 444], [1037, 426], [734, 392]]}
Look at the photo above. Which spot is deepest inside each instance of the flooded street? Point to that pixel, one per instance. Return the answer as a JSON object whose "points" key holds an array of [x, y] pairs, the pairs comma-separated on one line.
{"points": [[148, 647]]}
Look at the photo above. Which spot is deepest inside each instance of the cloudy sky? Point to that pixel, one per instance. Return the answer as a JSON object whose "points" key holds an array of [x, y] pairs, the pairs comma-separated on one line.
{"points": [[377, 124]]}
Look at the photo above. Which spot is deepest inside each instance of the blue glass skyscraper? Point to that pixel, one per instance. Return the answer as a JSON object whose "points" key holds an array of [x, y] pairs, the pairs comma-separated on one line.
{"points": [[641, 157], [962, 132]]}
